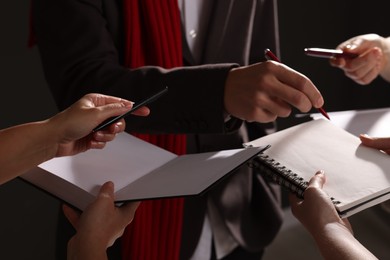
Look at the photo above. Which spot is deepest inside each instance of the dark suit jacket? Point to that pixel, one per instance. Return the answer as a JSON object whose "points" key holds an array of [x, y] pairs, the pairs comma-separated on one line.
{"points": [[81, 47]]}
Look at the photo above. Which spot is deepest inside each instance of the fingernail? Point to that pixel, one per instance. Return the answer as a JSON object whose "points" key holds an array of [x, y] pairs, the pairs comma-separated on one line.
{"points": [[130, 104], [118, 126]]}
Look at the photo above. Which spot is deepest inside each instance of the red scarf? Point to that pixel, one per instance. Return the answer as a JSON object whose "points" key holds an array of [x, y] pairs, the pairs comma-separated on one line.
{"points": [[153, 37]]}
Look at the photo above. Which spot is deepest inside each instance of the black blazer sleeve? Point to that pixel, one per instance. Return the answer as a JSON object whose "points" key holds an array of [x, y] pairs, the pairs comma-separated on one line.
{"points": [[79, 44]]}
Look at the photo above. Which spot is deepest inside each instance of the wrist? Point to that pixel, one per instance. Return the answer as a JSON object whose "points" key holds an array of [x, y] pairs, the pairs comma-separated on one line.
{"points": [[80, 248], [53, 137], [327, 232], [232, 90]]}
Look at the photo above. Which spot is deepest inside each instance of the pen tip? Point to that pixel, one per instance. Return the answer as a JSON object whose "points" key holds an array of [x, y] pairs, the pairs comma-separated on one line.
{"points": [[323, 112]]}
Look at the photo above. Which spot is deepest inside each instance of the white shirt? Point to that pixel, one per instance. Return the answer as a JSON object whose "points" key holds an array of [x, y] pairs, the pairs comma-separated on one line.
{"points": [[195, 16]]}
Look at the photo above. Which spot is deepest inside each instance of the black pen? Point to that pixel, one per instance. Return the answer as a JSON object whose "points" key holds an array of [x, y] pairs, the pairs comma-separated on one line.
{"points": [[270, 56], [134, 108]]}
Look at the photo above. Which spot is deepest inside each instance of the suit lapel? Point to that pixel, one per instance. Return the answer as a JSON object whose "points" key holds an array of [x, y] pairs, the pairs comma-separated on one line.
{"points": [[229, 32]]}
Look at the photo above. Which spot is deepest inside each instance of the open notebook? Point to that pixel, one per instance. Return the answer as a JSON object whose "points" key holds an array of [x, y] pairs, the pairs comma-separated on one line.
{"points": [[138, 169], [358, 177]]}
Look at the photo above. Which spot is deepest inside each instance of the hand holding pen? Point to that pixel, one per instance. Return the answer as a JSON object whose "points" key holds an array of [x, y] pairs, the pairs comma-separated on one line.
{"points": [[265, 91], [135, 107], [372, 58], [270, 56]]}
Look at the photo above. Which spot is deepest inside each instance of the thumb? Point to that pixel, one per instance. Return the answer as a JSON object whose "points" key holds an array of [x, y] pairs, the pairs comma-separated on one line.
{"points": [[114, 109], [107, 191], [355, 45], [318, 180]]}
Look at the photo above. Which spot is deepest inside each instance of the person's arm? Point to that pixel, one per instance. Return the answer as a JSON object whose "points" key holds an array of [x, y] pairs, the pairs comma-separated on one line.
{"points": [[79, 54], [66, 133], [98, 226], [333, 235], [373, 59]]}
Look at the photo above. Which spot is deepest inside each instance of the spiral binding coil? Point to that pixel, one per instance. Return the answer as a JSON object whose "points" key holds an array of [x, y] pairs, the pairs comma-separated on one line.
{"points": [[279, 174]]}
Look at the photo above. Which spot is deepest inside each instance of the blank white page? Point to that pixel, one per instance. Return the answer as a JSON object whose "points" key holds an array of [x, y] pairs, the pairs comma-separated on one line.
{"points": [[355, 173]]}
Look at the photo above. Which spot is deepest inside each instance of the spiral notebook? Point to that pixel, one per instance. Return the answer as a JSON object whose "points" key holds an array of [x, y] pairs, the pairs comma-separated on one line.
{"points": [[358, 177]]}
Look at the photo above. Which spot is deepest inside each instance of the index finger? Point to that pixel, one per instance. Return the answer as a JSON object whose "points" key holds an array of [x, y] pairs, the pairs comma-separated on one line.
{"points": [[380, 143], [304, 86], [101, 99]]}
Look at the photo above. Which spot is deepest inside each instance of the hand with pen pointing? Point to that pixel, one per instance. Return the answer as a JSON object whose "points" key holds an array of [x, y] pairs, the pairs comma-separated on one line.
{"points": [[64, 134], [73, 126], [264, 91]]}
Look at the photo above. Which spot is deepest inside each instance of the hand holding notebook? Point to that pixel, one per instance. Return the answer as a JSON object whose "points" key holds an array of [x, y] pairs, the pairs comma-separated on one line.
{"points": [[358, 177]]}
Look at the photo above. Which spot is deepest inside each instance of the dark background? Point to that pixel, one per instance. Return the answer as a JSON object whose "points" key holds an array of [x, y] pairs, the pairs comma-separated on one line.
{"points": [[326, 24], [28, 216]]}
